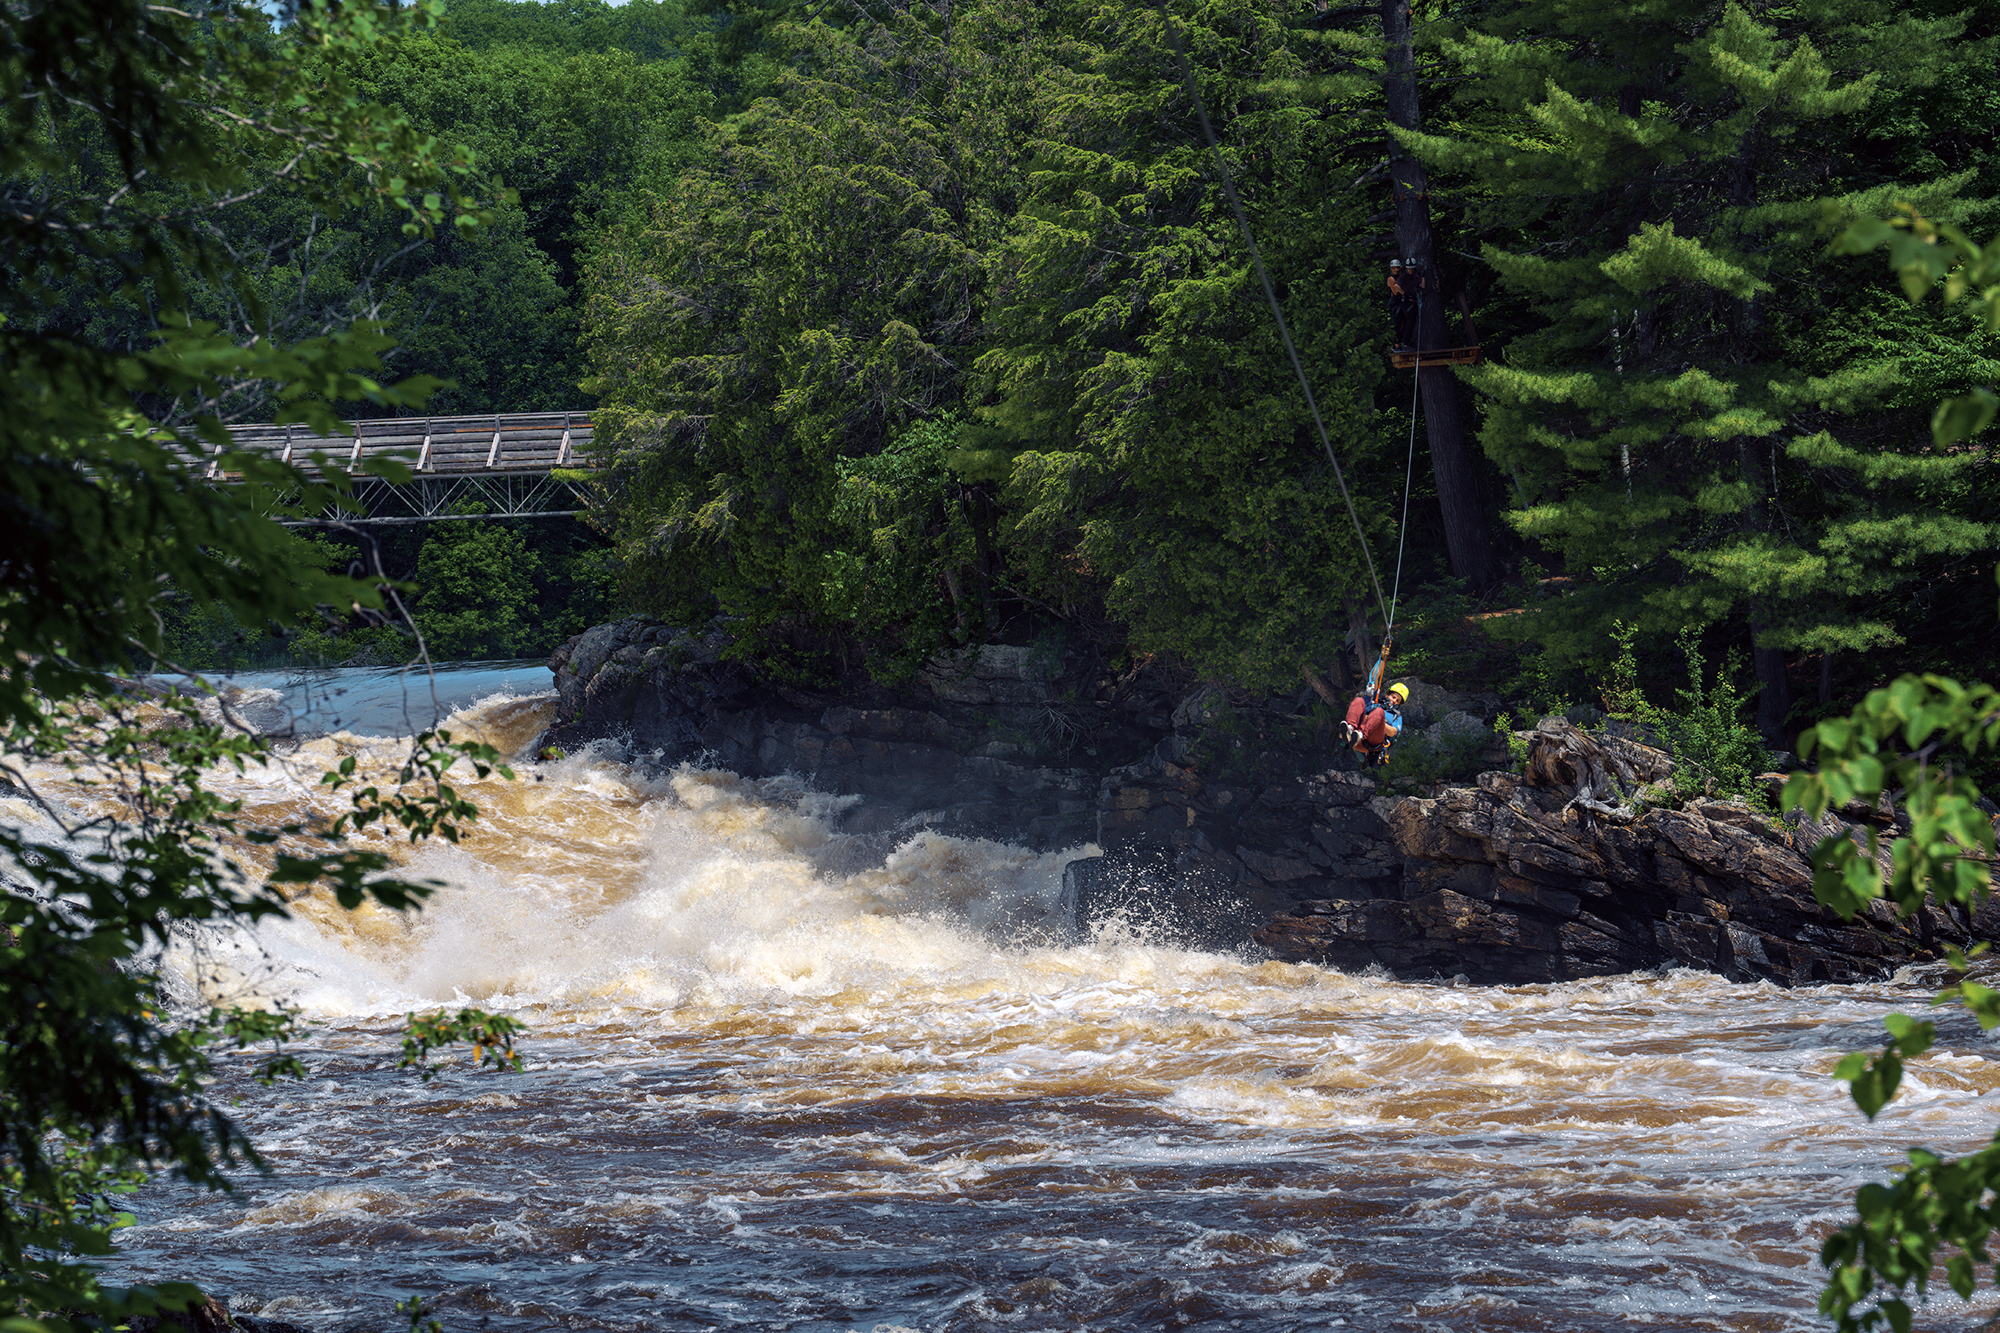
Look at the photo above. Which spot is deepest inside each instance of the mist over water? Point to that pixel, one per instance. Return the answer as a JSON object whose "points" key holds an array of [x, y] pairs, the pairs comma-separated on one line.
{"points": [[776, 1081]]}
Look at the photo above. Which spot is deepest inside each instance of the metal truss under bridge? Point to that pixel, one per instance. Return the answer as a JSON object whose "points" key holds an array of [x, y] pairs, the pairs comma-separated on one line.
{"points": [[503, 461]]}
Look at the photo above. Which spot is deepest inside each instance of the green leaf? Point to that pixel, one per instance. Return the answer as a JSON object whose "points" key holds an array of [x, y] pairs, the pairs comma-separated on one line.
{"points": [[1912, 1037], [1872, 1083], [1965, 416], [1982, 1001], [1844, 879], [1861, 236]]}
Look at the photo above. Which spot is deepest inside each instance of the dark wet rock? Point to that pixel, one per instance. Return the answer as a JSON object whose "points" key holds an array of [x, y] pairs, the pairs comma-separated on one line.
{"points": [[1535, 878], [210, 1317], [981, 744], [650, 683]]}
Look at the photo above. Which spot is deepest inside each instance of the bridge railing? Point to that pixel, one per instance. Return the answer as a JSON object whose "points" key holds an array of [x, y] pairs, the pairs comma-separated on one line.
{"points": [[488, 443]]}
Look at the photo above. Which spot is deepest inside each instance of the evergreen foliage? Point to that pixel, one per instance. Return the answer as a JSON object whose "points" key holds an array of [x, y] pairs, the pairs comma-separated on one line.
{"points": [[1699, 426], [783, 313], [1089, 311], [1918, 740], [1679, 434], [1135, 396], [477, 582], [648, 29], [909, 538], [104, 521], [575, 132], [1647, 183], [576, 135]]}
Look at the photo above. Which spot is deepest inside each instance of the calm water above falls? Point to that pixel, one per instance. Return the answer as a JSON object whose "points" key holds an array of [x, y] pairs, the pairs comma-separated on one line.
{"points": [[774, 1083]]}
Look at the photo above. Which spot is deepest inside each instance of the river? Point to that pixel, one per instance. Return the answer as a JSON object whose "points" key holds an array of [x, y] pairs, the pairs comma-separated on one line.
{"points": [[774, 1082]]}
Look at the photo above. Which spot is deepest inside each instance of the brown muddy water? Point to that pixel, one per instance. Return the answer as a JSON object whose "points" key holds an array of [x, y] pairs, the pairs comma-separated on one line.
{"points": [[775, 1081]]}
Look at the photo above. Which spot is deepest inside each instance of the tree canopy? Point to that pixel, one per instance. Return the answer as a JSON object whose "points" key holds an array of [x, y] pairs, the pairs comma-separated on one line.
{"points": [[136, 135], [1687, 417]]}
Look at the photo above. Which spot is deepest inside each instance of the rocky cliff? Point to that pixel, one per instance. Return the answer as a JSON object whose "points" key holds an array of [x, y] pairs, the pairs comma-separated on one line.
{"points": [[983, 745], [1510, 880], [1241, 823]]}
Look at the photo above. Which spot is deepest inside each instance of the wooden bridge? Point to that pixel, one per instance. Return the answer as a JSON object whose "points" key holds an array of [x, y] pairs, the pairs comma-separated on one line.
{"points": [[507, 462]]}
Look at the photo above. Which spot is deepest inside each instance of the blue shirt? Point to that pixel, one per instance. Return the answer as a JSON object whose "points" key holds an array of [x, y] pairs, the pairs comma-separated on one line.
{"points": [[1377, 697]]}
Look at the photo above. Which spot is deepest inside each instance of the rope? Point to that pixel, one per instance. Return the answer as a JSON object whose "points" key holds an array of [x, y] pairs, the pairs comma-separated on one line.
{"points": [[1284, 332], [1409, 469]]}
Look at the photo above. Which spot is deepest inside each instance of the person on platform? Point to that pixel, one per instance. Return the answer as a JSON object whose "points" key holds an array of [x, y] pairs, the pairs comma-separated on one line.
{"points": [[1375, 718], [1406, 287]]}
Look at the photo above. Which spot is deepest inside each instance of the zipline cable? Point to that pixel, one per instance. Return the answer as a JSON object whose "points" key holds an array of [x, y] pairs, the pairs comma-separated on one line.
{"points": [[1284, 332], [1409, 468]]}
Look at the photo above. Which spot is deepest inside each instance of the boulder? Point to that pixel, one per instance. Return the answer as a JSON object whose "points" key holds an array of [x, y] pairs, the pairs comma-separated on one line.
{"points": [[208, 1317], [962, 749], [1566, 872]]}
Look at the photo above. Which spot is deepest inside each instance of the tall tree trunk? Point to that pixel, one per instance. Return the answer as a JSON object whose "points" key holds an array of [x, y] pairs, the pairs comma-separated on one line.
{"points": [[1774, 700], [1453, 463], [1362, 637], [957, 595]]}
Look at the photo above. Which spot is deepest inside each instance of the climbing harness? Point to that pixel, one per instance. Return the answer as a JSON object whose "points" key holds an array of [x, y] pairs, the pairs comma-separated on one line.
{"points": [[1365, 727]]}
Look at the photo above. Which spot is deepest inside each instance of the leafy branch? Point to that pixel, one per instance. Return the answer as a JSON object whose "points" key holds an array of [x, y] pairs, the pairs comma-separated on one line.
{"points": [[1904, 742], [491, 1037]]}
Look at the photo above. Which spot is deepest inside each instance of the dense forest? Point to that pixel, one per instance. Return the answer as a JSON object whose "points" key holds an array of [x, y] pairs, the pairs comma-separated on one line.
{"points": [[568, 115], [908, 326], [954, 335]]}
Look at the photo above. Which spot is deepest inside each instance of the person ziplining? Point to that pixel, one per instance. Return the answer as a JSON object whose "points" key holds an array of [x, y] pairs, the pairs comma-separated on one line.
{"points": [[1372, 724], [1375, 718]]}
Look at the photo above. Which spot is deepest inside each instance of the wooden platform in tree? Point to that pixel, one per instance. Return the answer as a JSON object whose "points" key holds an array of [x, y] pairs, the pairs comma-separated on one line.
{"points": [[1437, 356]]}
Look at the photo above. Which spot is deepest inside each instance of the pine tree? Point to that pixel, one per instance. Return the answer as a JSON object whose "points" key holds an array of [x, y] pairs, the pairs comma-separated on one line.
{"points": [[1007, 216], [796, 306], [1677, 431], [1156, 447]]}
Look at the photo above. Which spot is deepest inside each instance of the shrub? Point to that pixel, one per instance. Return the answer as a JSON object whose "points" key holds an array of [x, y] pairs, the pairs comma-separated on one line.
{"points": [[1421, 758], [1715, 752]]}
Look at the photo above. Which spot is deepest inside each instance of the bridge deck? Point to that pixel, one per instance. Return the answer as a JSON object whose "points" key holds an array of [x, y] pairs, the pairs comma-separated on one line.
{"points": [[490, 443], [494, 465]]}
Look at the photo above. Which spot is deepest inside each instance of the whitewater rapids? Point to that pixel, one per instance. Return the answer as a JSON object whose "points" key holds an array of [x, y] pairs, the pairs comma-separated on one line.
{"points": [[775, 1081]]}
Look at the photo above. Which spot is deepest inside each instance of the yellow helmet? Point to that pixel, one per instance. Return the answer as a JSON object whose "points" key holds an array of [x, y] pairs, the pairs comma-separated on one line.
{"points": [[1401, 691]]}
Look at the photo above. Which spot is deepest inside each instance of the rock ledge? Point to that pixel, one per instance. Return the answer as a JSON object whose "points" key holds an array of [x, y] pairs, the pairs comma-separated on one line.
{"points": [[1236, 823]]}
